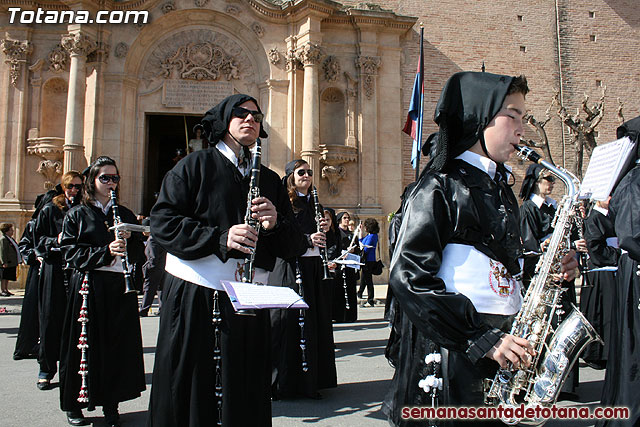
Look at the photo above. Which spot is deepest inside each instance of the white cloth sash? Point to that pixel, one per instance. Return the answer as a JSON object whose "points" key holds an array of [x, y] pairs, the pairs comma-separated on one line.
{"points": [[209, 271], [485, 281]]}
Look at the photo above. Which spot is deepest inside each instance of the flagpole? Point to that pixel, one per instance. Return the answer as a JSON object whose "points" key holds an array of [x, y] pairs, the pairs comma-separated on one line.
{"points": [[420, 114]]}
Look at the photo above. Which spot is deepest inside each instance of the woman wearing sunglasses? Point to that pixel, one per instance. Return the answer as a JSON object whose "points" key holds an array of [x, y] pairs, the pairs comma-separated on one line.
{"points": [[114, 353], [52, 298], [319, 353]]}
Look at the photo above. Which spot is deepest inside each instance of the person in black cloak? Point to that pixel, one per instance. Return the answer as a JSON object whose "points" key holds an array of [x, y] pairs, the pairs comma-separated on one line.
{"points": [[622, 381], [340, 312], [153, 272], [454, 315], [199, 220], [536, 215], [297, 371], [28, 331], [596, 297], [52, 295], [334, 249], [114, 366]]}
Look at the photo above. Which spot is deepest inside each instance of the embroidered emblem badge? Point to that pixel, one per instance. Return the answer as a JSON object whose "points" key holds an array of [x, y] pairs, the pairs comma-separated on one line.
{"points": [[501, 282]]}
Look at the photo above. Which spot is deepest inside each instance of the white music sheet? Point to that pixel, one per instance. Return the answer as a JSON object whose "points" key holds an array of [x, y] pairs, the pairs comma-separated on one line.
{"points": [[251, 296], [607, 162]]}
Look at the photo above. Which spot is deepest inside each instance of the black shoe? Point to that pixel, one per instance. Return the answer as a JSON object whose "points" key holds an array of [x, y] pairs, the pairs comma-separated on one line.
{"points": [[75, 418], [143, 313], [111, 416], [44, 384]]}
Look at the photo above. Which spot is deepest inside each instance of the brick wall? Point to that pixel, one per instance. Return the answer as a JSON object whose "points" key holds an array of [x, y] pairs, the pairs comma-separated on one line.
{"points": [[596, 41]]}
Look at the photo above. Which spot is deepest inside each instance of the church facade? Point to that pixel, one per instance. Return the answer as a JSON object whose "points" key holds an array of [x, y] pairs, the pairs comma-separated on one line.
{"points": [[334, 79]]}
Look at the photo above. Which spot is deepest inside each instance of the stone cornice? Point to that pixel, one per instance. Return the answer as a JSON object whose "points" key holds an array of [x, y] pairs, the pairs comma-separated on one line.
{"points": [[373, 18]]}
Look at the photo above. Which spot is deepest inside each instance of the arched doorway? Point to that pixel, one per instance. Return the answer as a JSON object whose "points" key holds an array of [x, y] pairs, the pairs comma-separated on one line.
{"points": [[165, 134]]}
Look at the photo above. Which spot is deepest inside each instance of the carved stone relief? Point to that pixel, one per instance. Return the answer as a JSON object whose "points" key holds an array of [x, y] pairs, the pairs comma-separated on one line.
{"points": [[334, 156], [333, 174], [310, 54], [17, 52], [168, 6], [78, 44], [58, 59], [258, 29], [274, 55], [100, 54], [198, 54], [293, 62], [51, 170], [50, 149], [201, 3], [331, 68], [121, 50], [201, 61], [368, 66], [233, 9]]}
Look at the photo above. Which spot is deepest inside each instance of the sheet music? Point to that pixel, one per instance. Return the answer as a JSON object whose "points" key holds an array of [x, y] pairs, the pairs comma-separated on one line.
{"points": [[607, 163], [251, 296]]}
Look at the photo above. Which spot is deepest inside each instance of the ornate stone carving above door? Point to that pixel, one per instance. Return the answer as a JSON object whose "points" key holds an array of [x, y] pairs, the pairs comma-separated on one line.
{"points": [[198, 55]]}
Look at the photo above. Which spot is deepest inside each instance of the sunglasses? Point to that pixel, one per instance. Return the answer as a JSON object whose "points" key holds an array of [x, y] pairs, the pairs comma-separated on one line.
{"points": [[242, 113], [302, 172], [106, 178], [76, 186]]}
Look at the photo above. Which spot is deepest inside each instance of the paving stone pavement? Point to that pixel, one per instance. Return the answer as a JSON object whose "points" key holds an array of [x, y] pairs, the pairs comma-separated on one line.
{"points": [[363, 376]]}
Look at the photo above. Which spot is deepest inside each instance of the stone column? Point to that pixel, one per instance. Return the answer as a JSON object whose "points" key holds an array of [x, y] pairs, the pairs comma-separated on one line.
{"points": [[368, 67], [310, 55], [292, 65], [16, 104], [79, 45]]}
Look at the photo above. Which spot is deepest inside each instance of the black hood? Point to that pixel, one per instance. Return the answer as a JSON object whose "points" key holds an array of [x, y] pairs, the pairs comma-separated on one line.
{"points": [[215, 122], [468, 103], [529, 181]]}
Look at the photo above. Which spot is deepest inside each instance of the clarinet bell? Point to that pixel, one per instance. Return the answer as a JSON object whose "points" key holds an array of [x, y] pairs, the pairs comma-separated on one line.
{"points": [[128, 285]]}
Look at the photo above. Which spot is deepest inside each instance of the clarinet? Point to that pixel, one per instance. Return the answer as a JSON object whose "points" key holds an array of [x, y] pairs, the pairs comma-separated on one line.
{"points": [[254, 191], [323, 251], [301, 315], [128, 279]]}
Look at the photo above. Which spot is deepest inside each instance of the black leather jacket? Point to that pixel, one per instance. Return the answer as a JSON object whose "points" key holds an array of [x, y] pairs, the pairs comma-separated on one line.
{"points": [[460, 205]]}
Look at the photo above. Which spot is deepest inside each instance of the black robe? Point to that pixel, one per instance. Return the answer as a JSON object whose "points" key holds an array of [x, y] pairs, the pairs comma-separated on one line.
{"points": [[622, 380], [465, 206], [116, 370], [345, 276], [52, 297], [28, 331], [596, 300], [201, 198], [535, 225], [289, 378]]}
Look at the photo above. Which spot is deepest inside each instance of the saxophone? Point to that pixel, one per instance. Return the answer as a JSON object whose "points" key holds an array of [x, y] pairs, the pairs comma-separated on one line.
{"points": [[556, 351]]}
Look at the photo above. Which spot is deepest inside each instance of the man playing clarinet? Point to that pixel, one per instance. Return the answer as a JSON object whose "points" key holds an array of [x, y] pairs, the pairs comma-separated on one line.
{"points": [[212, 365]]}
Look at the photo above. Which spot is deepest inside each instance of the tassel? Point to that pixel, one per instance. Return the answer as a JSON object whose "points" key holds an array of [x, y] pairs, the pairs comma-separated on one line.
{"points": [[83, 345]]}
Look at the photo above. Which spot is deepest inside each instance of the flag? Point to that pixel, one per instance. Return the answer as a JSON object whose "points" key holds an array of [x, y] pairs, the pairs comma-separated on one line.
{"points": [[413, 125]]}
